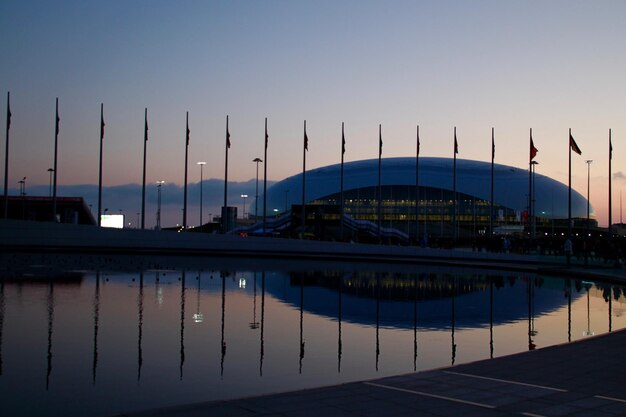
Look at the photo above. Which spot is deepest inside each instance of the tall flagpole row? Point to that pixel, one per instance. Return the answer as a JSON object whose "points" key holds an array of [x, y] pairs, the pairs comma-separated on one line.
{"points": [[493, 157], [417, 186], [304, 151], [341, 198], [265, 178]]}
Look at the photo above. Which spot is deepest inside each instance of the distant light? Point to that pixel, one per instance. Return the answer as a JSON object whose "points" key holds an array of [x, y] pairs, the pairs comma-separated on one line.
{"points": [[198, 318], [242, 283]]}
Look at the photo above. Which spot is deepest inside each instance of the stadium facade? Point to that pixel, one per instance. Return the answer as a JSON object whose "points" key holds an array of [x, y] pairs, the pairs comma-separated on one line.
{"points": [[436, 196]]}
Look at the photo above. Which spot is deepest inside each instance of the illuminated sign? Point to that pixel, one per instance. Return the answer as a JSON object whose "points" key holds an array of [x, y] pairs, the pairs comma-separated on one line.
{"points": [[112, 220]]}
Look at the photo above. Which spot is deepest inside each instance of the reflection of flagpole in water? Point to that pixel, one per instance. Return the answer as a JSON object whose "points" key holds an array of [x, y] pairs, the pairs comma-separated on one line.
{"points": [[589, 332], [1, 318], [568, 291], [198, 317], [531, 330], [254, 324], [491, 317], [415, 284], [96, 320], [223, 274], [301, 321], [453, 319], [140, 327], [377, 319], [182, 324], [262, 322], [610, 323], [50, 322], [339, 317]]}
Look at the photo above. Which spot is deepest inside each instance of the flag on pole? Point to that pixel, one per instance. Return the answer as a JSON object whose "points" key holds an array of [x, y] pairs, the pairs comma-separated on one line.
{"points": [[227, 138], [456, 145], [493, 148], [610, 149], [343, 142], [145, 129], [533, 150], [56, 127], [380, 141], [573, 145], [267, 138], [8, 115], [101, 125], [418, 140], [306, 141], [188, 132]]}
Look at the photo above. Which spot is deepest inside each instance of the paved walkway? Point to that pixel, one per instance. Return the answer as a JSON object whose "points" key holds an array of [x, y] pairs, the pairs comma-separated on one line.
{"points": [[585, 378]]}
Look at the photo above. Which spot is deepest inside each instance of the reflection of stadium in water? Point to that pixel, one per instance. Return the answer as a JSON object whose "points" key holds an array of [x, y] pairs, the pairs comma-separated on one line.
{"points": [[396, 295]]}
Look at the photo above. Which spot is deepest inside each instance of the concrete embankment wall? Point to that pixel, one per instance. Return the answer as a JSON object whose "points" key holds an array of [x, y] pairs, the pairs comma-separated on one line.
{"points": [[52, 237]]}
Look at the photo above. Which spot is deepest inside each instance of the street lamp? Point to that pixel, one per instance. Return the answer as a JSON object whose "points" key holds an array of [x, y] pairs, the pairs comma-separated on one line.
{"points": [[256, 196], [50, 170], [158, 216], [202, 164], [243, 211]]}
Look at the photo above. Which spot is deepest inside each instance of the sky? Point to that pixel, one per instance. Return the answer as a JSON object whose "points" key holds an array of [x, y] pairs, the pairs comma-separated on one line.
{"points": [[510, 65]]}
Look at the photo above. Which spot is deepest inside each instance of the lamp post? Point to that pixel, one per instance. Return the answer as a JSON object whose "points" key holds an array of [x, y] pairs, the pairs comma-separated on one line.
{"points": [[588, 162], [256, 196], [243, 211], [50, 171], [202, 164], [158, 216]]}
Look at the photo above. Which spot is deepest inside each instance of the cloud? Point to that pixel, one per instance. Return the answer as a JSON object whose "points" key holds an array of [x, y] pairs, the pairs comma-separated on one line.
{"points": [[619, 176]]}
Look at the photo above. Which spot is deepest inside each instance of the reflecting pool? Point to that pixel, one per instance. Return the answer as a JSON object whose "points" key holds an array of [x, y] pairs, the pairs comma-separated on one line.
{"points": [[101, 335]]}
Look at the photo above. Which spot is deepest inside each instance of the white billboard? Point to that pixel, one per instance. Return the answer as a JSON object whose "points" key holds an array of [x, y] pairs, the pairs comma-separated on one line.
{"points": [[112, 220]]}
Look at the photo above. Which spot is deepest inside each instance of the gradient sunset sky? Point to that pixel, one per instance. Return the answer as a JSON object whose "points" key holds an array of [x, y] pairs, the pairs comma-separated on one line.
{"points": [[511, 65]]}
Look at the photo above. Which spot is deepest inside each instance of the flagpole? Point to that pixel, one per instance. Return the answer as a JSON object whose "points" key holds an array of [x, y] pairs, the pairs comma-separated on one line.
{"points": [[56, 143], [305, 148], [417, 187], [99, 166], [6, 157], [569, 189], [186, 163], [343, 150], [265, 178], [493, 157], [454, 188], [530, 185], [143, 187], [380, 194], [610, 187], [225, 214]]}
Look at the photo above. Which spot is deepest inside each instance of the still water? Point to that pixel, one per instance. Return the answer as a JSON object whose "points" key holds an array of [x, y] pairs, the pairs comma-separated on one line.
{"points": [[105, 335]]}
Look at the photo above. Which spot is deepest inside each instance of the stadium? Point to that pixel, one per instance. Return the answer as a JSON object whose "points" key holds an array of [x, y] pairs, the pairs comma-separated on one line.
{"points": [[436, 200]]}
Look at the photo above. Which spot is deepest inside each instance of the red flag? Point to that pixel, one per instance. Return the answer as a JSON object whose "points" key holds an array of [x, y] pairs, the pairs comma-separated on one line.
{"points": [[533, 150], [573, 145]]}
